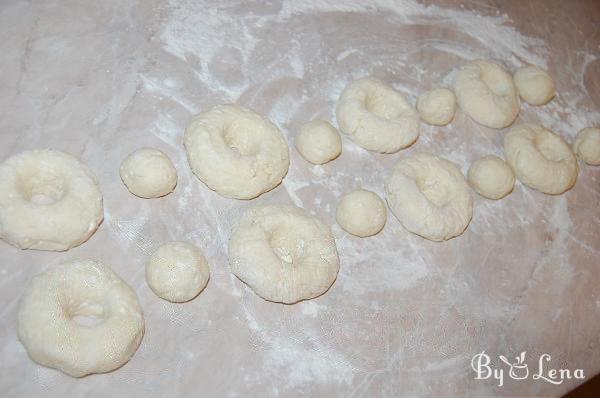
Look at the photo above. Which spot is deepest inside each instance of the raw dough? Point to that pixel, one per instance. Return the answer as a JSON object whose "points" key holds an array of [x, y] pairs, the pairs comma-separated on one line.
{"points": [[486, 92], [283, 254], [148, 173], [236, 152], [49, 200], [587, 145], [361, 213], [376, 116], [535, 86], [319, 142], [541, 159], [177, 271], [430, 197], [491, 177], [80, 318], [437, 106]]}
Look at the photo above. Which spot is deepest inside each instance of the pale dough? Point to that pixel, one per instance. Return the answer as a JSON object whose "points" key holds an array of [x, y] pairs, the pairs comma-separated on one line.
{"points": [[283, 253], [376, 116], [236, 152], [491, 177], [318, 142], [80, 318], [487, 93], [540, 159], [148, 173], [177, 271], [534, 84], [430, 197], [437, 106], [361, 213], [49, 200], [587, 145]]}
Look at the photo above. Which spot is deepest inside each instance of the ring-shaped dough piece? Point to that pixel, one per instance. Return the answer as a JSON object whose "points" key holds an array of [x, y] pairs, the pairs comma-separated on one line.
{"points": [[540, 159], [49, 200], [376, 116], [80, 318], [587, 145], [487, 93], [236, 152], [430, 197], [491, 177], [177, 271], [284, 254], [148, 173]]}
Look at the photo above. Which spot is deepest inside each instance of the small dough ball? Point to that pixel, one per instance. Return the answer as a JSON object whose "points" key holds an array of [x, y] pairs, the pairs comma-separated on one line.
{"points": [[361, 213], [587, 146], [319, 142], [148, 173], [491, 177], [534, 85], [437, 106], [177, 271]]}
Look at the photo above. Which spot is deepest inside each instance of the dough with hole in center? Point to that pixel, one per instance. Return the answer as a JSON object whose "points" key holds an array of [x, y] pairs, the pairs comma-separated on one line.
{"points": [[80, 318], [284, 254], [236, 152], [376, 116]]}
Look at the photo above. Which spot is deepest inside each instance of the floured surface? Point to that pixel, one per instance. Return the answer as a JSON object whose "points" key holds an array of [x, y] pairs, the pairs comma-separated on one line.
{"points": [[405, 315]]}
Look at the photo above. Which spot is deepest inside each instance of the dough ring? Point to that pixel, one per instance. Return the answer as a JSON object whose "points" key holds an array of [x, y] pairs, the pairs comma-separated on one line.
{"points": [[376, 116], [80, 318], [236, 152], [541, 159], [487, 93], [49, 200], [430, 197], [283, 254]]}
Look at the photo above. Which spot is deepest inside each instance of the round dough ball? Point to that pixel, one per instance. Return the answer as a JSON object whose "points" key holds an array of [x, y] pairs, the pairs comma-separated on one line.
{"points": [[177, 271], [430, 197], [49, 200], [486, 92], [80, 318], [318, 142], [535, 86], [376, 116], [491, 177], [284, 254], [236, 152], [148, 173], [361, 213], [437, 106], [587, 146], [540, 159]]}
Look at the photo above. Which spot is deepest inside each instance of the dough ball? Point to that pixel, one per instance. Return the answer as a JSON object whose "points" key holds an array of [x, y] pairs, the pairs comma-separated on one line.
{"points": [[437, 106], [148, 173], [535, 86], [541, 159], [487, 93], [318, 142], [177, 271], [491, 177], [587, 146], [377, 117], [361, 213]]}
